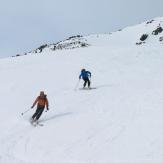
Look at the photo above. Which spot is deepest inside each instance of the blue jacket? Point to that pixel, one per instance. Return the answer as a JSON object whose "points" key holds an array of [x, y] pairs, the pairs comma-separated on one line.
{"points": [[85, 74]]}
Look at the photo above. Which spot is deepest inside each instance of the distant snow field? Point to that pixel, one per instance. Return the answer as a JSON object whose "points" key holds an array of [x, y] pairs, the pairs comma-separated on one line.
{"points": [[121, 121]]}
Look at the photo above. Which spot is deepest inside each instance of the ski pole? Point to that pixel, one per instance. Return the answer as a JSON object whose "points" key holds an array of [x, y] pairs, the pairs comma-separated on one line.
{"points": [[77, 85], [47, 110], [25, 111]]}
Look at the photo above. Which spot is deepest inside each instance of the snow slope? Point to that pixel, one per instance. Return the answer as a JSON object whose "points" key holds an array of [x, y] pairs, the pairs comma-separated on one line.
{"points": [[119, 122]]}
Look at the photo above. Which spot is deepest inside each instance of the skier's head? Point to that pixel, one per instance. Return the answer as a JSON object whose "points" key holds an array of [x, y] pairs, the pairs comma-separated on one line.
{"points": [[42, 93], [83, 70]]}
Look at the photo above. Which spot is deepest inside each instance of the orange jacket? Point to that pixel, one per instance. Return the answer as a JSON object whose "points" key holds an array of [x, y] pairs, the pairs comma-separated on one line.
{"points": [[41, 101]]}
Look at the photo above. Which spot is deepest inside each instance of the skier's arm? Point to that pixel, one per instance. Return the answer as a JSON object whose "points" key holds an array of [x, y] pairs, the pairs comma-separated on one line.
{"points": [[89, 74], [35, 102], [47, 104], [80, 76]]}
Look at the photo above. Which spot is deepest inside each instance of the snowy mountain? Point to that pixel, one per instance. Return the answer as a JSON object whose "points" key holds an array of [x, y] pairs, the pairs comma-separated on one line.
{"points": [[71, 43], [148, 32], [118, 122]]}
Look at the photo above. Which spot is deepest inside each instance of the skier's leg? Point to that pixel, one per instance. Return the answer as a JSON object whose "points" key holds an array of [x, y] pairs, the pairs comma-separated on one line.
{"points": [[89, 83], [85, 82], [40, 113], [35, 114]]}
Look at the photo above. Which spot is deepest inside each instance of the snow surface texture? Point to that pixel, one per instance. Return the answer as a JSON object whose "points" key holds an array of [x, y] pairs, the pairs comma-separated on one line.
{"points": [[119, 122]]}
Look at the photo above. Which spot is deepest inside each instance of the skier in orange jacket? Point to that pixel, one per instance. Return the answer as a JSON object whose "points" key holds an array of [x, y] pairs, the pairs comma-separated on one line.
{"points": [[41, 102]]}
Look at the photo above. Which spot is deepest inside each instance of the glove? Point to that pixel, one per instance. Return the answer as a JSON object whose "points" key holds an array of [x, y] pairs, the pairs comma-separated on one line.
{"points": [[47, 109], [31, 107]]}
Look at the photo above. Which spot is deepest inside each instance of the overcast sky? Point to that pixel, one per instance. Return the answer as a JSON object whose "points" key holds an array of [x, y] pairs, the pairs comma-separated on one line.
{"points": [[27, 24]]}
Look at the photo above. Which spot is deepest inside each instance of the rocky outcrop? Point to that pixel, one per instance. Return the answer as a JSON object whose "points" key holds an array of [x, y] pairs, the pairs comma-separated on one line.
{"points": [[143, 37], [157, 31]]}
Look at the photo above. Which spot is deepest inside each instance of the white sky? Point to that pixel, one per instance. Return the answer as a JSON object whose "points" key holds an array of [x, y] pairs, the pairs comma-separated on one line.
{"points": [[27, 24]]}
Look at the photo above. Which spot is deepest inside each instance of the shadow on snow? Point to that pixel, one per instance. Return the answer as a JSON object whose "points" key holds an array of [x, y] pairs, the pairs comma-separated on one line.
{"points": [[56, 116]]}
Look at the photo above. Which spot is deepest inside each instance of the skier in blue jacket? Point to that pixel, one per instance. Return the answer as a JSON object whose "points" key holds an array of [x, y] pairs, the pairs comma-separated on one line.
{"points": [[85, 75]]}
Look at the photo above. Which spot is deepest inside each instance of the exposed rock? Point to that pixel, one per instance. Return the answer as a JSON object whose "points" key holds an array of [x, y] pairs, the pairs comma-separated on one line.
{"points": [[149, 22], [70, 43], [18, 55], [161, 39], [77, 36], [41, 48], [157, 31], [140, 43], [144, 37]]}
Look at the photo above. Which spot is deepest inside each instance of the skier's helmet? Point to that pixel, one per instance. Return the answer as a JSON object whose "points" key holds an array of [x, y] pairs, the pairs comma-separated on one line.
{"points": [[83, 70], [42, 93]]}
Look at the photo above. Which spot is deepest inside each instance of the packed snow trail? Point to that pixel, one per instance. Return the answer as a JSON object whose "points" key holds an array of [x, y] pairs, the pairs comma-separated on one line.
{"points": [[119, 122]]}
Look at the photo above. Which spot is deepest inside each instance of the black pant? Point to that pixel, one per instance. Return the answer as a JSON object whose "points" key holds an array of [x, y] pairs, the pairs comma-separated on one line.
{"points": [[38, 112], [86, 80]]}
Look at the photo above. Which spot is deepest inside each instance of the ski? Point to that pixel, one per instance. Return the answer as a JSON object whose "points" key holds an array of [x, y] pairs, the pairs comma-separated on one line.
{"points": [[40, 124], [37, 124], [34, 123], [87, 88]]}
